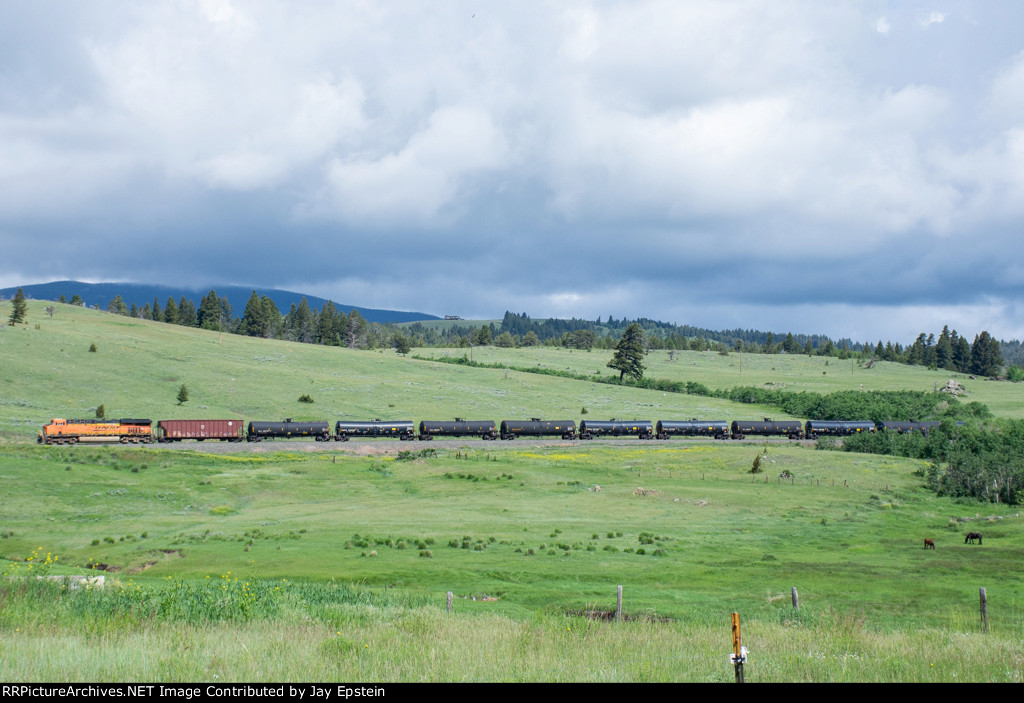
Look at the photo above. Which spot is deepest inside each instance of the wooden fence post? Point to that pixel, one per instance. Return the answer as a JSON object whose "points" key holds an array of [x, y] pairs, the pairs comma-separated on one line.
{"points": [[738, 654], [796, 599], [449, 602], [983, 598], [618, 605]]}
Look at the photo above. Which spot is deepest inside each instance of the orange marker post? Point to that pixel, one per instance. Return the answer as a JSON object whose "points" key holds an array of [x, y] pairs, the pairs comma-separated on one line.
{"points": [[739, 652]]}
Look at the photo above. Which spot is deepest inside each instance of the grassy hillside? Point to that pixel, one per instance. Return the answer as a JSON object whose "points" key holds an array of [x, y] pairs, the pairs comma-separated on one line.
{"points": [[139, 365], [793, 372]]}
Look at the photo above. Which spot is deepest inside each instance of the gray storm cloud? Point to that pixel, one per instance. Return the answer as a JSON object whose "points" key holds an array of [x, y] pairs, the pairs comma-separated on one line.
{"points": [[853, 169]]}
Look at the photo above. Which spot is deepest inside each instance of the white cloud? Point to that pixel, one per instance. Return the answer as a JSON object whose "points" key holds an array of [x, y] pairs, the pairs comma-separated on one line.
{"points": [[414, 184], [934, 18], [882, 26]]}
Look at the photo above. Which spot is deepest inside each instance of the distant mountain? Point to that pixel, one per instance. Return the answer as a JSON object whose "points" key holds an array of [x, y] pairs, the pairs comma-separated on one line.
{"points": [[100, 294]]}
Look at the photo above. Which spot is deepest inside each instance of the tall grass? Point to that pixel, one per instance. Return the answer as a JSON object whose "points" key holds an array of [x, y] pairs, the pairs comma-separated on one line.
{"points": [[330, 634]]}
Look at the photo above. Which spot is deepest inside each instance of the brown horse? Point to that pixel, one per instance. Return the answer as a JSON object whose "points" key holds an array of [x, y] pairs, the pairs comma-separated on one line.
{"points": [[971, 536], [929, 543]]}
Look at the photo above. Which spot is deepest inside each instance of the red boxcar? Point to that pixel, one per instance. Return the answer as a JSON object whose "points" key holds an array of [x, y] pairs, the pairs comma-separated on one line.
{"points": [[177, 430]]}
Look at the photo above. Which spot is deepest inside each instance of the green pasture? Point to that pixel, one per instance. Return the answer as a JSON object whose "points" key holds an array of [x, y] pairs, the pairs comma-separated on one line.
{"points": [[791, 372], [525, 543], [686, 529]]}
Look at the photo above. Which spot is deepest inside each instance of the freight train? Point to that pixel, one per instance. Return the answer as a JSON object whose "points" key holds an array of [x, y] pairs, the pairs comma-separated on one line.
{"points": [[61, 431]]}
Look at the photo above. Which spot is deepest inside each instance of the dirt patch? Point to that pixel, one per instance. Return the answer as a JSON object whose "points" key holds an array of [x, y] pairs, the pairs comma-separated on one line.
{"points": [[369, 450], [140, 569]]}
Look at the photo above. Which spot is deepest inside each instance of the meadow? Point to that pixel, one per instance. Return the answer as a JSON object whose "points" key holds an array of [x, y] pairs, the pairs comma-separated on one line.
{"points": [[795, 373], [280, 563]]}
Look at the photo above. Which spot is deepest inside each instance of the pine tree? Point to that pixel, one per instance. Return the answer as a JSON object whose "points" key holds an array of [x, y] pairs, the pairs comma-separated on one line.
{"points": [[186, 312], [210, 312], [254, 323], [944, 350], [986, 359], [327, 325], [302, 324], [629, 353], [171, 312], [402, 344], [117, 306], [182, 394], [272, 316], [19, 308]]}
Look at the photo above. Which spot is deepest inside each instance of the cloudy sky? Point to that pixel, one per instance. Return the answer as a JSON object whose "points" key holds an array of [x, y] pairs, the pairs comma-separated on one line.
{"points": [[847, 168]]}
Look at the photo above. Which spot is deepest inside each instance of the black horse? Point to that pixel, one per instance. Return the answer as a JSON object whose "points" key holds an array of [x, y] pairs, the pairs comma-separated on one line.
{"points": [[971, 536]]}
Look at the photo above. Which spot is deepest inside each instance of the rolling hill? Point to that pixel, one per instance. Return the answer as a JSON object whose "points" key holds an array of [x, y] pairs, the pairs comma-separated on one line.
{"points": [[99, 295]]}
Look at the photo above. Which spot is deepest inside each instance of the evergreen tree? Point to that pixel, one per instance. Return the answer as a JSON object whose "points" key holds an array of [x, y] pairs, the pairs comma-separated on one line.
{"points": [[209, 315], [117, 306], [629, 353], [171, 312], [254, 322], [158, 314], [272, 317], [182, 394], [302, 324], [985, 357], [19, 309], [186, 312], [961, 353], [76, 299], [944, 350], [327, 325], [403, 345]]}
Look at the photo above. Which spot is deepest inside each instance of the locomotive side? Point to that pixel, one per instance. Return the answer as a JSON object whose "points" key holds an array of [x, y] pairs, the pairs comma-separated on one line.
{"points": [[125, 430]]}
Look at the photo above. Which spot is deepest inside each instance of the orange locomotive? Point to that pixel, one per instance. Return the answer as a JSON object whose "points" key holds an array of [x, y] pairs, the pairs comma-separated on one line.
{"points": [[61, 431]]}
